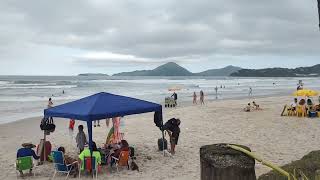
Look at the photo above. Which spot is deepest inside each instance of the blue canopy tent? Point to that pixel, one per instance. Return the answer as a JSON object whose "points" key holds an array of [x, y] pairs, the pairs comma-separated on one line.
{"points": [[104, 105]]}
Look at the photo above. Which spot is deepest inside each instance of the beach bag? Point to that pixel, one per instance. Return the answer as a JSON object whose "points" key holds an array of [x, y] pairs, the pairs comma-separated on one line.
{"points": [[162, 142], [48, 148], [47, 124]]}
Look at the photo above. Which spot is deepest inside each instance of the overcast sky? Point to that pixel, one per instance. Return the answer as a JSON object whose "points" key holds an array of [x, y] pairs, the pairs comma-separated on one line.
{"points": [[66, 37]]}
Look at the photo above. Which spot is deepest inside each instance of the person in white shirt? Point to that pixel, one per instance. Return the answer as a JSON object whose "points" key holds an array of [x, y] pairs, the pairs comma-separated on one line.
{"points": [[294, 104]]}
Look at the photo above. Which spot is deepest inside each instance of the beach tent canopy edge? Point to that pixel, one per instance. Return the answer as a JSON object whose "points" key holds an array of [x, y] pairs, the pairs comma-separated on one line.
{"points": [[100, 106]]}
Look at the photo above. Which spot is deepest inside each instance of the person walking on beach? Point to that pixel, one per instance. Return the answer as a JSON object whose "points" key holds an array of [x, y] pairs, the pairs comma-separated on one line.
{"points": [[201, 97], [81, 138], [250, 91], [194, 98], [216, 89]]}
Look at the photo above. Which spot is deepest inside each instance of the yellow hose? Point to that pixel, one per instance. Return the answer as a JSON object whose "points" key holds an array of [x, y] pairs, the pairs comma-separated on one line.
{"points": [[274, 167]]}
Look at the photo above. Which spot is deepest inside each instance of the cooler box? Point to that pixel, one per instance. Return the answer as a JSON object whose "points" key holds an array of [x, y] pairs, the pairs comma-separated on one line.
{"points": [[312, 114]]}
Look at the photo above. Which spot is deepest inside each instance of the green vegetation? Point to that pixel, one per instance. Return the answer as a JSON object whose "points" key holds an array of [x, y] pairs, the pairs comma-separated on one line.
{"points": [[312, 71], [308, 165]]}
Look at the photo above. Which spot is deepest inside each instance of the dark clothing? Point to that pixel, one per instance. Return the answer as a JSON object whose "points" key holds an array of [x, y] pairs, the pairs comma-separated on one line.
{"points": [[175, 96], [157, 119], [173, 127], [23, 152]]}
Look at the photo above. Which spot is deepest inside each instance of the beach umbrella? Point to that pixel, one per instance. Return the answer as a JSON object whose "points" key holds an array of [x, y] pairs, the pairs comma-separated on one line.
{"points": [[174, 88], [305, 92]]}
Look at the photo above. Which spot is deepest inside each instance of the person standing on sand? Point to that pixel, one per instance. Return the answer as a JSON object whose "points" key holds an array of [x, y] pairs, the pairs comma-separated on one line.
{"points": [[194, 98], [50, 103], [175, 97], [216, 89], [250, 91], [81, 138], [201, 97]]}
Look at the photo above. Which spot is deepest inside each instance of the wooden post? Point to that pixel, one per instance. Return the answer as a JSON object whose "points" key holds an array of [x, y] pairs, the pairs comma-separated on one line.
{"points": [[219, 162]]}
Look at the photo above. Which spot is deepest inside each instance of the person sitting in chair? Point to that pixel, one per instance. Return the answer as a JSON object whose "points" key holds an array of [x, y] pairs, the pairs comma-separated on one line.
{"points": [[70, 160], [309, 105], [247, 108], [124, 146], [25, 151], [86, 153], [294, 104]]}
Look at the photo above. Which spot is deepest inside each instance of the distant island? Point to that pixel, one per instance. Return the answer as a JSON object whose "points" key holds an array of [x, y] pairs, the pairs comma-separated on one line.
{"points": [[173, 69], [312, 71], [93, 74]]}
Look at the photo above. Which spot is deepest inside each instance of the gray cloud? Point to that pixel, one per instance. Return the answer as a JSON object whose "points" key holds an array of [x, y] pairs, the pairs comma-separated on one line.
{"points": [[165, 29]]}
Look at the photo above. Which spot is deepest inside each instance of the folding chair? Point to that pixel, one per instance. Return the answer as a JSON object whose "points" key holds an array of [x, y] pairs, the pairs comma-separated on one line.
{"points": [[123, 159], [24, 163], [59, 164], [88, 166]]}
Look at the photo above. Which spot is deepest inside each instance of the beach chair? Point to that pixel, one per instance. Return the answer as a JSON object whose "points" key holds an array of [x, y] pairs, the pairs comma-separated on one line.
{"points": [[123, 159], [301, 111], [24, 163], [89, 166], [59, 164]]}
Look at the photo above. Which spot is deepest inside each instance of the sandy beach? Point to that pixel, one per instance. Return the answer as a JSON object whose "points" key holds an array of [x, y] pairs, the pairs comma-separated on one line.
{"points": [[275, 138]]}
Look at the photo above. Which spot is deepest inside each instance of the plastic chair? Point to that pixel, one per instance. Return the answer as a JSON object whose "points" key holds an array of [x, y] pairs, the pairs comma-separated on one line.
{"points": [[59, 164], [301, 112], [24, 163], [88, 166], [123, 159]]}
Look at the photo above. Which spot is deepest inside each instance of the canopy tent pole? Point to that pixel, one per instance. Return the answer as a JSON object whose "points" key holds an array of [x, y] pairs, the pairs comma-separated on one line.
{"points": [[162, 130], [89, 126]]}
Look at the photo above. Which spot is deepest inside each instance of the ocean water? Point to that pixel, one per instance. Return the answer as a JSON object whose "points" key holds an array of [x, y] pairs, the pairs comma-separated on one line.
{"points": [[27, 96]]}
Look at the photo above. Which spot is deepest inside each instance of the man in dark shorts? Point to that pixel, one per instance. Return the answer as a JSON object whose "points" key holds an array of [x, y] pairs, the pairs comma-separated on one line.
{"points": [[173, 129], [175, 97]]}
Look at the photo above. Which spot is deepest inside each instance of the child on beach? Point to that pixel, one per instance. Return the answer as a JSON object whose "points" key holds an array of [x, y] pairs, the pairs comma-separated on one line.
{"points": [[257, 106], [71, 124], [81, 138]]}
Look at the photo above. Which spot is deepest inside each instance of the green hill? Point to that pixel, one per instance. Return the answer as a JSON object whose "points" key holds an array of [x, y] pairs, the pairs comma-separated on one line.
{"points": [[168, 69], [173, 69], [313, 71], [226, 71]]}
